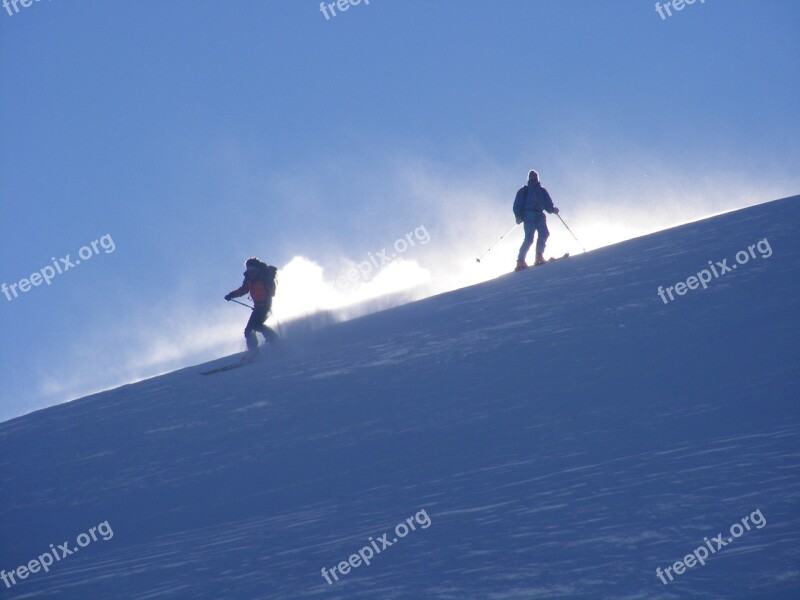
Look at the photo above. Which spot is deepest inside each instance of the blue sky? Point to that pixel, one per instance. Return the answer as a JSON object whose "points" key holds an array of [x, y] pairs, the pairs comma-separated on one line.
{"points": [[196, 134]]}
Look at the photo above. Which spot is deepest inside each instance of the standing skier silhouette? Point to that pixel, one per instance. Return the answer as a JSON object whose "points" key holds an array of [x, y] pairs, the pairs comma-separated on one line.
{"points": [[530, 204]]}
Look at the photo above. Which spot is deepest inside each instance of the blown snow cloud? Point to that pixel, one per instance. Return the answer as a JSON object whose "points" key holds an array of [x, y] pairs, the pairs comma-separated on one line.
{"points": [[464, 209]]}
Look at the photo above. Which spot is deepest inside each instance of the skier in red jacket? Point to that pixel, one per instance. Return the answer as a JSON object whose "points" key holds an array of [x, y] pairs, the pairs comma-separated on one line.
{"points": [[259, 282]]}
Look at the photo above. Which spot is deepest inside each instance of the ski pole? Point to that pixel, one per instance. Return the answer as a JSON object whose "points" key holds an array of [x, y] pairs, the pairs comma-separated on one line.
{"points": [[242, 303], [497, 242], [570, 231]]}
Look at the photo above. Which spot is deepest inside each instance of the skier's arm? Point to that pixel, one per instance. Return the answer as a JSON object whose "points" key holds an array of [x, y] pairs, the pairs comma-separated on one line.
{"points": [[518, 205], [548, 202], [238, 293]]}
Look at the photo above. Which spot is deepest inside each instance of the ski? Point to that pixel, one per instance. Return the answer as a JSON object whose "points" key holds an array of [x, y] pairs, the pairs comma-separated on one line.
{"points": [[553, 259], [549, 260], [246, 360], [225, 368]]}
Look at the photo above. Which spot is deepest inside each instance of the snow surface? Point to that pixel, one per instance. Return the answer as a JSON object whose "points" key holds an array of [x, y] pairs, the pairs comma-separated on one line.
{"points": [[566, 432]]}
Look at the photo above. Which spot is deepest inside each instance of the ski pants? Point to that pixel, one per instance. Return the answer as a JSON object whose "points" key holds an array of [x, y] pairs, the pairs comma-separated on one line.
{"points": [[538, 225], [256, 323]]}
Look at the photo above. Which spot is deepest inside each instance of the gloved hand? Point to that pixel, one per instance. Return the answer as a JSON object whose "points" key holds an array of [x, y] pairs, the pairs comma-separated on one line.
{"points": [[228, 297], [555, 210], [519, 220]]}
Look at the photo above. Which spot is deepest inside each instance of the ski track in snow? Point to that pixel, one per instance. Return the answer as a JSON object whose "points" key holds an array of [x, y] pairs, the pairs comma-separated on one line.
{"points": [[565, 431]]}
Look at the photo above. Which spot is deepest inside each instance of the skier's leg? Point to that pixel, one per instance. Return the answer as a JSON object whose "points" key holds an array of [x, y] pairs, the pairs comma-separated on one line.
{"points": [[260, 317], [250, 336], [270, 335], [255, 323], [527, 242], [543, 234]]}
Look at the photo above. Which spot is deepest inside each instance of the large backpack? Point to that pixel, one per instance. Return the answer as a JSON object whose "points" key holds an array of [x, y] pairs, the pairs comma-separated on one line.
{"points": [[269, 277]]}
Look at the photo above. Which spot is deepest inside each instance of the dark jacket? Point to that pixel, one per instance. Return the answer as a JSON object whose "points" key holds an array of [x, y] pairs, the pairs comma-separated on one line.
{"points": [[531, 200]]}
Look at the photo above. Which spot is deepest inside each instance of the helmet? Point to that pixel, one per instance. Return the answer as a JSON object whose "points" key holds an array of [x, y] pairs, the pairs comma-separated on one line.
{"points": [[533, 176]]}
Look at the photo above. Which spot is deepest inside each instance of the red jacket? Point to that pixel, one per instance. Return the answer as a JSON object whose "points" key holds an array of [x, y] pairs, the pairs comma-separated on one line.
{"points": [[259, 291]]}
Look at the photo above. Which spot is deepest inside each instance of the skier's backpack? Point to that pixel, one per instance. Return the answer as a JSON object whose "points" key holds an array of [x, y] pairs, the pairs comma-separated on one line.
{"points": [[269, 277]]}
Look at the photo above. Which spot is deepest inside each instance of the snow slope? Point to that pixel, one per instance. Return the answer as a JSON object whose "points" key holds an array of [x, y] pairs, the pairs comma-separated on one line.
{"points": [[565, 431]]}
